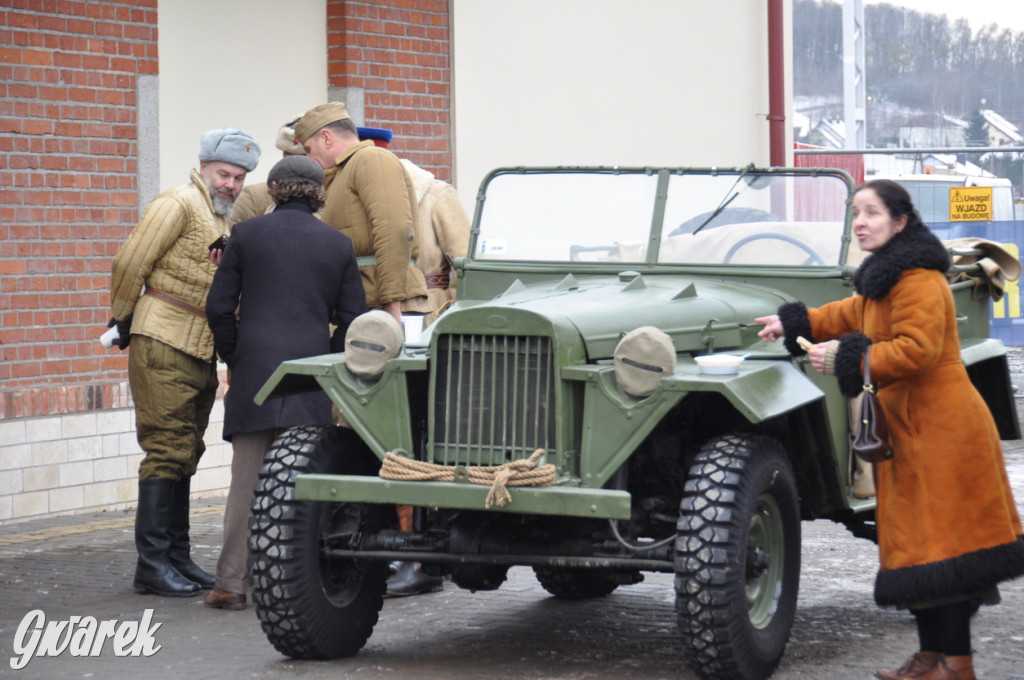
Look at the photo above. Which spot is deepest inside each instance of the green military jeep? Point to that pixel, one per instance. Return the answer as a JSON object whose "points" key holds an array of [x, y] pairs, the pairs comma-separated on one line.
{"points": [[649, 459]]}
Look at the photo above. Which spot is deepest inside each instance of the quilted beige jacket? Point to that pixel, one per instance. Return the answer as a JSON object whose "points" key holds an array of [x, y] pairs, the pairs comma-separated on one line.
{"points": [[168, 251]]}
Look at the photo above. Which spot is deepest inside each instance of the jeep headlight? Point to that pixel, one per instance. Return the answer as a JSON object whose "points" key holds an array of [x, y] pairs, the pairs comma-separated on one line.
{"points": [[642, 358], [372, 339]]}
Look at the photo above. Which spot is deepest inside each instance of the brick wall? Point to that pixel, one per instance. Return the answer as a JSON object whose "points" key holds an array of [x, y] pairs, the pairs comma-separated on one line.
{"points": [[70, 75], [68, 198], [399, 55], [68, 193], [68, 162]]}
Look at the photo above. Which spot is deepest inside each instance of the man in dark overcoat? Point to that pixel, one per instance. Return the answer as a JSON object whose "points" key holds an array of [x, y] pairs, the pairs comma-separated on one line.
{"points": [[289, 276]]}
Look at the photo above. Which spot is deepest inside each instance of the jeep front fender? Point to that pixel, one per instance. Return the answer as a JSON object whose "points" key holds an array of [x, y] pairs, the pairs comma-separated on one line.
{"points": [[762, 389], [377, 410]]}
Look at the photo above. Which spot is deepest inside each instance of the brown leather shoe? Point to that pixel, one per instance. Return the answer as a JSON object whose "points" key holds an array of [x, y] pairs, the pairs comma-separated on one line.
{"points": [[950, 668], [222, 599], [920, 663]]}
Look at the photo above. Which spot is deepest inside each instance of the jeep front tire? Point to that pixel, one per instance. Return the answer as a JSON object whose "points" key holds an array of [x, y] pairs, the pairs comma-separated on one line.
{"points": [[312, 605], [737, 559]]}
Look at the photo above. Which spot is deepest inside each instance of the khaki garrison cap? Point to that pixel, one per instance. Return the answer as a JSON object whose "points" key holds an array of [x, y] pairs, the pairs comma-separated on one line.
{"points": [[317, 117]]}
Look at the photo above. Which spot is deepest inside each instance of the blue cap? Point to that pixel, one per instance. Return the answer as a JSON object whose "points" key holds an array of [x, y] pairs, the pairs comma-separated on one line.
{"points": [[375, 134]]}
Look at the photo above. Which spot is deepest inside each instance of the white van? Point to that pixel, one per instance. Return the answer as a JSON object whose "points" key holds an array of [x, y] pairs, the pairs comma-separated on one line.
{"points": [[931, 194]]}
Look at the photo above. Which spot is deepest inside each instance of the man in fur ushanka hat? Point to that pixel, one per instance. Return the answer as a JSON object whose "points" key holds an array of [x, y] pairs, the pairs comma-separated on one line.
{"points": [[158, 286]]}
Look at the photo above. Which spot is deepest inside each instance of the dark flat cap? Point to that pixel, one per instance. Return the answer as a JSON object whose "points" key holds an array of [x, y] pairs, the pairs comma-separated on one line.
{"points": [[296, 167]]}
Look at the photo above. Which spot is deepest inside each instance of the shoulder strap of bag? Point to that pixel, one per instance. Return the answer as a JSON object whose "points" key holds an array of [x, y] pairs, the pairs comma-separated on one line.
{"points": [[868, 387]]}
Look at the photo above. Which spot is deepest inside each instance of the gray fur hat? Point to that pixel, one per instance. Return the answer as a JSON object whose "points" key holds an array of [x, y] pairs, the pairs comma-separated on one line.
{"points": [[229, 145], [296, 167]]}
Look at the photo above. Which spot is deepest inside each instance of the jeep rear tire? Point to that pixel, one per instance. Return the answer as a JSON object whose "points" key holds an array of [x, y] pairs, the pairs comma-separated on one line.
{"points": [[310, 605], [737, 558]]}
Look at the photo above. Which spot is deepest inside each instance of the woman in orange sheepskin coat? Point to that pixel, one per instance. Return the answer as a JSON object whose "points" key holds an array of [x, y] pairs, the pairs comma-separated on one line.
{"points": [[948, 528]]}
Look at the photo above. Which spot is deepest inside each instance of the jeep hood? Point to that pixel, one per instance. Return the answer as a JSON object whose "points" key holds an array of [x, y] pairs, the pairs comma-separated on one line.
{"points": [[699, 314]]}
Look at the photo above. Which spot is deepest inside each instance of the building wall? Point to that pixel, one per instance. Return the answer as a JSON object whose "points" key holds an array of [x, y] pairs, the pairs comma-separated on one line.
{"points": [[252, 66], [67, 190], [103, 105], [71, 77], [390, 64], [104, 102], [610, 82], [88, 460]]}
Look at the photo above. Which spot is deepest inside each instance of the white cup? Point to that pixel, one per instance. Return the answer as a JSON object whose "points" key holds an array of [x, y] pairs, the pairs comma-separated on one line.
{"points": [[110, 337], [412, 324]]}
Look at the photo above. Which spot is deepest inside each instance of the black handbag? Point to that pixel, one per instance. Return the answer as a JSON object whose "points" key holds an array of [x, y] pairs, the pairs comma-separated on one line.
{"points": [[872, 440]]}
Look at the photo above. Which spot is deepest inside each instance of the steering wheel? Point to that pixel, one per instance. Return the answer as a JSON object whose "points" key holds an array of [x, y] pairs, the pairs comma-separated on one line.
{"points": [[814, 257], [726, 217]]}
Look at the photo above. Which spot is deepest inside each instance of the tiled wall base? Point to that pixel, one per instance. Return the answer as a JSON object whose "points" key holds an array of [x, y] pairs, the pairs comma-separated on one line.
{"points": [[88, 461]]}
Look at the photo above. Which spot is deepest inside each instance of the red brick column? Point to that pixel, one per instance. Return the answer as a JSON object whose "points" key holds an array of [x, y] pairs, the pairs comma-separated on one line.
{"points": [[400, 56], [68, 193]]}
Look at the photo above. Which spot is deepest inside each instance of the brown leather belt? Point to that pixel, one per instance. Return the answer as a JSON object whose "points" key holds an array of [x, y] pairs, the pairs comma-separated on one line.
{"points": [[441, 280], [180, 304]]}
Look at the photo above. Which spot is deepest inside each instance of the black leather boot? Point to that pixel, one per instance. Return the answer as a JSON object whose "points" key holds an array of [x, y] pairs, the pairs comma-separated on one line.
{"points": [[409, 580], [153, 571], [177, 530]]}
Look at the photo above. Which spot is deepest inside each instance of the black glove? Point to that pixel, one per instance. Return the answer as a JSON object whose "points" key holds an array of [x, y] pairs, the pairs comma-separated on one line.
{"points": [[124, 331]]}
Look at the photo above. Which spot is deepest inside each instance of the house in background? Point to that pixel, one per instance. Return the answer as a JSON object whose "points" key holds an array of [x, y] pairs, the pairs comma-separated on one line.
{"points": [[828, 133], [1001, 132], [815, 123], [924, 163], [934, 132]]}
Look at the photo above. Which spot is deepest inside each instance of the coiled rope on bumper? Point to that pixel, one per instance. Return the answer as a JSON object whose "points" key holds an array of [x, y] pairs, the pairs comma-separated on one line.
{"points": [[523, 472]]}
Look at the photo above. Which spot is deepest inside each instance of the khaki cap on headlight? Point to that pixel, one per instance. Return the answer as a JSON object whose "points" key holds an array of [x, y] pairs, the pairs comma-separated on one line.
{"points": [[372, 339], [642, 358]]}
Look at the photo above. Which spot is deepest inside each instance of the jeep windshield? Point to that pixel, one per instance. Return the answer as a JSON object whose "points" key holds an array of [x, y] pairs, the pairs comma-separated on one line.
{"points": [[742, 217]]}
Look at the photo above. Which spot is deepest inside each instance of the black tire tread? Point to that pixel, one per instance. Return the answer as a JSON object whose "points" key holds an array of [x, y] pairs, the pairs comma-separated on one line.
{"points": [[293, 611], [710, 548]]}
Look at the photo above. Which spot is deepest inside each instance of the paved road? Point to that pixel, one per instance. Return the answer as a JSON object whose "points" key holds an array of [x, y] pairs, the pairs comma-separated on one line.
{"points": [[82, 566]]}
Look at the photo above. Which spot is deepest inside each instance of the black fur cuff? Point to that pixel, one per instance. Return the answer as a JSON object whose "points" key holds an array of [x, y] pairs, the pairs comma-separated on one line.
{"points": [[972, 572], [851, 350], [795, 323]]}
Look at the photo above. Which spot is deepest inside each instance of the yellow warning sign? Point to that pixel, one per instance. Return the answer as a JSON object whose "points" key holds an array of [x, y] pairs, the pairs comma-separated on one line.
{"points": [[970, 204]]}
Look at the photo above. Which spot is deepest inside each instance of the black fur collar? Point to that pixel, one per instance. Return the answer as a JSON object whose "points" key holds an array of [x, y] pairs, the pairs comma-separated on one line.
{"points": [[913, 248]]}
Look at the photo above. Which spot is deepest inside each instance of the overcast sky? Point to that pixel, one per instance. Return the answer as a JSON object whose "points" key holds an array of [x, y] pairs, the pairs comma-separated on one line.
{"points": [[1004, 13]]}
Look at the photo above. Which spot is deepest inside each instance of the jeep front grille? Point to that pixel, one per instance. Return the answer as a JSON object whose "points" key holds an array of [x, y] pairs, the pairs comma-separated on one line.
{"points": [[494, 398]]}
